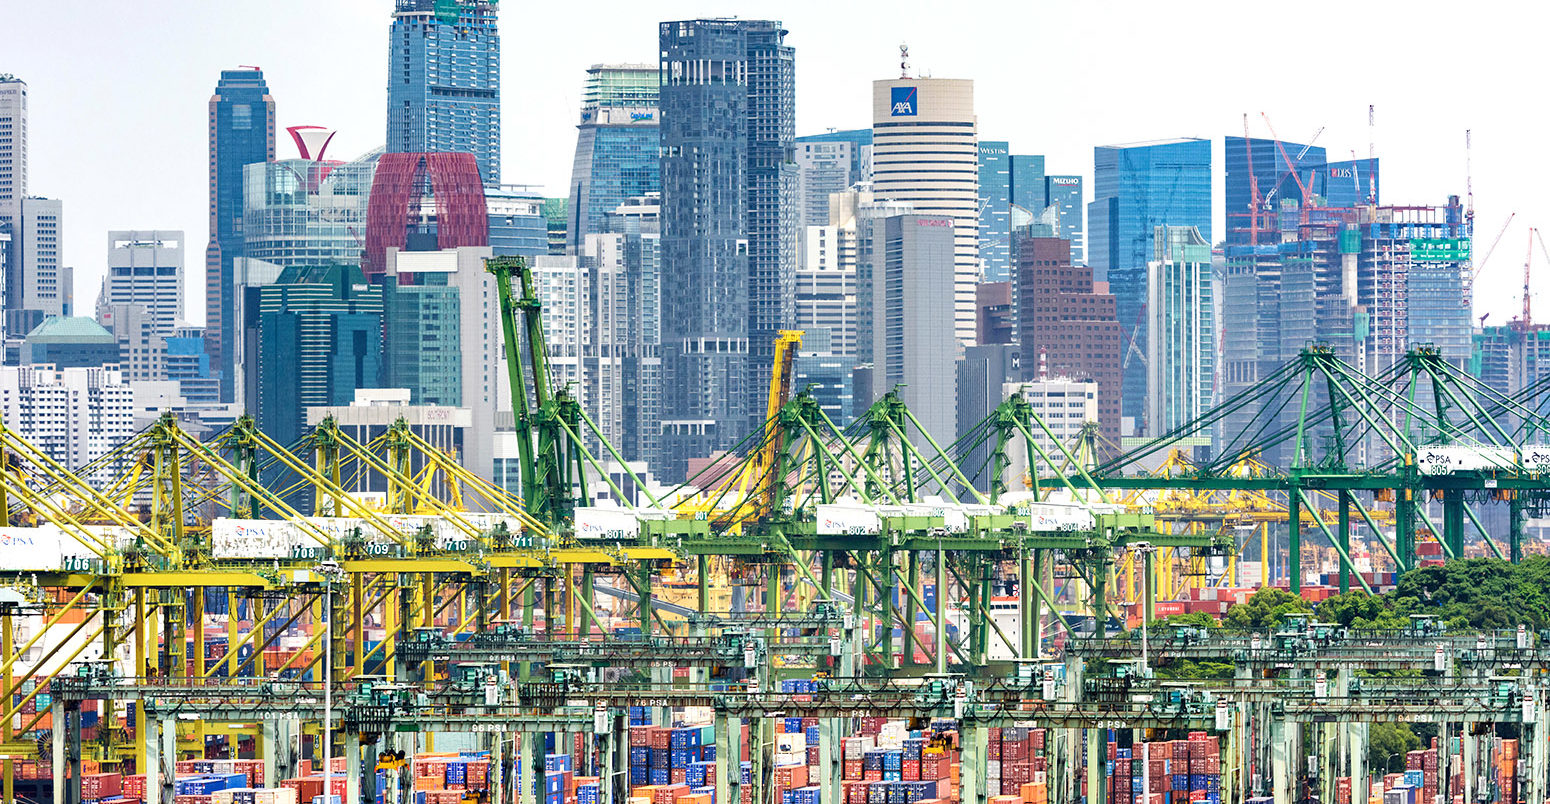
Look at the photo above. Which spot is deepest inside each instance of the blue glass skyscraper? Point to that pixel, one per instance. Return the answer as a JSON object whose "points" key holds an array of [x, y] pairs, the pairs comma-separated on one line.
{"points": [[1270, 175], [1064, 193], [1006, 180], [1028, 182], [241, 128], [995, 210], [444, 59], [616, 146], [728, 105], [1137, 188]]}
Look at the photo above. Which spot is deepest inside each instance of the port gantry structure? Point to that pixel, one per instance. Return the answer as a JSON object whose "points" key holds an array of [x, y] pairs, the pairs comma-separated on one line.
{"points": [[1421, 430], [439, 585]]}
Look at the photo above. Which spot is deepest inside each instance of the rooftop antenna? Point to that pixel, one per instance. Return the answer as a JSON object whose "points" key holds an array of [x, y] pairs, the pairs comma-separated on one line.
{"points": [[904, 61]]}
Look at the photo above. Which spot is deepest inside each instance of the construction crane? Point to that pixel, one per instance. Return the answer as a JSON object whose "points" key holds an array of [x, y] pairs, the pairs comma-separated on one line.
{"points": [[1291, 166], [1492, 249], [1528, 260], [1469, 179], [1254, 199]]}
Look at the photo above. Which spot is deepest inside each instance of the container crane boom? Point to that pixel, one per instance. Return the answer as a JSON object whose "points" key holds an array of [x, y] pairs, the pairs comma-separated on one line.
{"points": [[541, 418]]}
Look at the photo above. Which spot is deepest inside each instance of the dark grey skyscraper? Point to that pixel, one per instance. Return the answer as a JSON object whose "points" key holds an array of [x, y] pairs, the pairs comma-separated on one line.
{"points": [[444, 81], [241, 133], [728, 103]]}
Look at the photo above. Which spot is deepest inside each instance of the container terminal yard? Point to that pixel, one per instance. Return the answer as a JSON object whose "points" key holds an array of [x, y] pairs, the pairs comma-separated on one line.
{"points": [[825, 616]]}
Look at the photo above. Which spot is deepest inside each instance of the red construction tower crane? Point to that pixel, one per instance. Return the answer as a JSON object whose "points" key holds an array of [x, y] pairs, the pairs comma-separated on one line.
{"points": [[1307, 195]]}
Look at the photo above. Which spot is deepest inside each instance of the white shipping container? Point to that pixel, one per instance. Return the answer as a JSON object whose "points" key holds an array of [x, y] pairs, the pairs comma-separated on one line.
{"points": [[790, 743]]}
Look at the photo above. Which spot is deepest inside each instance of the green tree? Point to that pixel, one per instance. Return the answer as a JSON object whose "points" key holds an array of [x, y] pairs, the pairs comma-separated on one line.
{"points": [[1264, 609], [1194, 619], [1385, 741]]}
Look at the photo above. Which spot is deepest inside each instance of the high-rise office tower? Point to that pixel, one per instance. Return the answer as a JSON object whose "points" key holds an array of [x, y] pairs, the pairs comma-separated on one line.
{"points": [[1067, 324], [1181, 330], [728, 104], [13, 172], [914, 263], [145, 268], [241, 130], [444, 59], [995, 210], [925, 151], [45, 285], [300, 212], [454, 339], [1027, 186], [1137, 188], [616, 146], [1008, 182], [1064, 195], [314, 336]]}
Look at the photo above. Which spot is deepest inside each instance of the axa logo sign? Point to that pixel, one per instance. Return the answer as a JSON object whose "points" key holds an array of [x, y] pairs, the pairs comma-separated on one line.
{"points": [[904, 101]]}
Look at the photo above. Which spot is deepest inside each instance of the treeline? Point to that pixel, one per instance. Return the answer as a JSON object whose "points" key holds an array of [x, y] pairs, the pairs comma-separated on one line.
{"points": [[1473, 594]]}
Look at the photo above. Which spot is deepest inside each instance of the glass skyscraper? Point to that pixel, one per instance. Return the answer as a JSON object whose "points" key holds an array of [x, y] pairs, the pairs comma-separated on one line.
{"points": [[241, 133], [1006, 180], [299, 212], [444, 81], [995, 210], [1064, 193], [1137, 188], [616, 146], [728, 102]]}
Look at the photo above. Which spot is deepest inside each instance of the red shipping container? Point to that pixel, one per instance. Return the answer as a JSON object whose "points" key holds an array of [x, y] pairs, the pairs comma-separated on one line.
{"points": [[307, 786], [101, 785], [134, 786], [911, 770], [788, 777], [851, 769]]}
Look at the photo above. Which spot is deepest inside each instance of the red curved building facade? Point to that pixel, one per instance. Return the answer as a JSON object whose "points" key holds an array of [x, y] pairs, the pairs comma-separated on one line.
{"points": [[456, 188]]}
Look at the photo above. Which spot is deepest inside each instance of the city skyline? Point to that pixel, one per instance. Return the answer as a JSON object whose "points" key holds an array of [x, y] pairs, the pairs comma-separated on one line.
{"points": [[102, 177]]}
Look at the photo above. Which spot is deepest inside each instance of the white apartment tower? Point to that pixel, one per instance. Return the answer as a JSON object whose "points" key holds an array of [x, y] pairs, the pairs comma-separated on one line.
{"points": [[75, 415], [925, 151]]}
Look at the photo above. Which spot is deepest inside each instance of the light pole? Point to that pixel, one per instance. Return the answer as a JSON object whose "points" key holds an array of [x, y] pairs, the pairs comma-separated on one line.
{"points": [[1146, 549], [330, 571]]}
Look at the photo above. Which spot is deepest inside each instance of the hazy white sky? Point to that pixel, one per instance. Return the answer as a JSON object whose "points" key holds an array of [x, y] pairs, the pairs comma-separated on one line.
{"points": [[118, 90]]}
